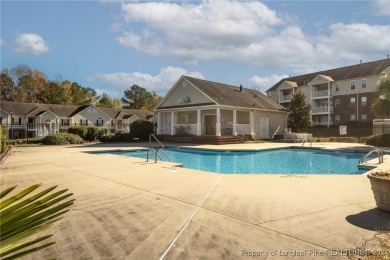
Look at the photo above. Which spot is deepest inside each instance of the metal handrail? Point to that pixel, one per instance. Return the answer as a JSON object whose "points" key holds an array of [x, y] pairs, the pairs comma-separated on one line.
{"points": [[166, 155], [305, 140], [156, 151], [378, 151], [155, 138]]}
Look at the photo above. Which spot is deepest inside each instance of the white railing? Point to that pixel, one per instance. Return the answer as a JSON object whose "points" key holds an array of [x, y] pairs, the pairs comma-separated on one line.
{"points": [[122, 129], [322, 109], [191, 128], [285, 98], [165, 129], [321, 123], [322, 93], [243, 129]]}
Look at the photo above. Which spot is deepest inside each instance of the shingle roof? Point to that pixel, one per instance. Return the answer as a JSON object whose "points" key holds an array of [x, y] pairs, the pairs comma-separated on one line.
{"points": [[36, 109], [349, 72], [230, 95], [124, 113], [17, 108]]}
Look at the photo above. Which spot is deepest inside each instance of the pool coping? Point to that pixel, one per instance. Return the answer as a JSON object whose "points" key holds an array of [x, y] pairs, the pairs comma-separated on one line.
{"points": [[368, 165]]}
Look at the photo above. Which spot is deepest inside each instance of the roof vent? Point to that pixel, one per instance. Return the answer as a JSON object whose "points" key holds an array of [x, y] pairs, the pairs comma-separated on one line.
{"points": [[240, 88], [361, 61], [388, 55]]}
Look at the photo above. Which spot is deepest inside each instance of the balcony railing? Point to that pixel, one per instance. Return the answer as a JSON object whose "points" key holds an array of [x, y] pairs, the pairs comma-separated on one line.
{"points": [[321, 109], [285, 98], [321, 123], [320, 94]]}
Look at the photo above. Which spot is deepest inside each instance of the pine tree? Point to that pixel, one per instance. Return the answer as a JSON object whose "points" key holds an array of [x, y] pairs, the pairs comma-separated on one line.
{"points": [[299, 118]]}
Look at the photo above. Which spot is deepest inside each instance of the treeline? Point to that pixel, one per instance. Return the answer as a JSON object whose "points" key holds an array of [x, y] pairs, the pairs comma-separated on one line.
{"points": [[24, 84]]}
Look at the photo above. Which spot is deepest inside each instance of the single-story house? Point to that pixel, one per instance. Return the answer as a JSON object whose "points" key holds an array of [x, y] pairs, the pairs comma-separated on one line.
{"points": [[204, 107]]}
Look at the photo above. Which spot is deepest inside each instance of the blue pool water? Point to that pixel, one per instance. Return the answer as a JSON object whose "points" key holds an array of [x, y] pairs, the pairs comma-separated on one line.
{"points": [[277, 161]]}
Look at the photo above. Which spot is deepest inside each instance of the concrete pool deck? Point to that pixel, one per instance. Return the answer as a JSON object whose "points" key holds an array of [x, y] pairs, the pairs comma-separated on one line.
{"points": [[127, 208]]}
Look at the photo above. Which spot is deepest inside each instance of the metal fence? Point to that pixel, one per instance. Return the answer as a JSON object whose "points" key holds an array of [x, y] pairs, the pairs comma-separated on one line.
{"points": [[31, 130], [381, 129]]}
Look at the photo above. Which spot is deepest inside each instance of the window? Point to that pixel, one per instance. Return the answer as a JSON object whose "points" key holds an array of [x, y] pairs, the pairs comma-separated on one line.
{"points": [[364, 117], [352, 117], [353, 84], [337, 119], [184, 119], [352, 102], [337, 103], [99, 122], [364, 102], [83, 122], [337, 86], [363, 83], [269, 94], [16, 121], [65, 122]]}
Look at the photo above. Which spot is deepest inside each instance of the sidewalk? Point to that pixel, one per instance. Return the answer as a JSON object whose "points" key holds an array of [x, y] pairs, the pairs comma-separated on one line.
{"points": [[127, 208]]}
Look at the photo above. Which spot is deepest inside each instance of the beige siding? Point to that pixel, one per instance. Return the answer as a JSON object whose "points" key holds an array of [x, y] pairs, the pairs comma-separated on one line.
{"points": [[275, 120], [91, 114], [180, 94], [4, 118], [345, 86], [48, 118]]}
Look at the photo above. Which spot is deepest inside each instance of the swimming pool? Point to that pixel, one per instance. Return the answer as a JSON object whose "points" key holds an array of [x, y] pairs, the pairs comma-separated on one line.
{"points": [[276, 161]]}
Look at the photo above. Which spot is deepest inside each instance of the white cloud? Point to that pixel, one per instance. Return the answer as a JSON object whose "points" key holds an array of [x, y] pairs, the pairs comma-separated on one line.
{"points": [[264, 83], [246, 32], [112, 94], [30, 43], [382, 7], [160, 83], [353, 41], [2, 42]]}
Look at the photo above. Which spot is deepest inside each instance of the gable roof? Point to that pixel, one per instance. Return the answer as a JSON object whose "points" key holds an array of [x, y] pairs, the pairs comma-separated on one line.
{"points": [[354, 71], [37, 109], [230, 95], [124, 113]]}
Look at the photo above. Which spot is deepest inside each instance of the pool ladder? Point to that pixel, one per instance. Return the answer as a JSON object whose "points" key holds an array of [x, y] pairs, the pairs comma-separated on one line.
{"points": [[376, 150], [156, 155]]}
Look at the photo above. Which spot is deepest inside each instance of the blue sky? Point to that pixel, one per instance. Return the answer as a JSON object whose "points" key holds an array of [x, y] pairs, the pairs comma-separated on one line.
{"points": [[111, 45]]}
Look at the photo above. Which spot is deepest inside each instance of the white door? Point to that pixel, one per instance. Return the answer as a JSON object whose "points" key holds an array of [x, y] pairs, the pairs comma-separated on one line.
{"points": [[263, 128]]}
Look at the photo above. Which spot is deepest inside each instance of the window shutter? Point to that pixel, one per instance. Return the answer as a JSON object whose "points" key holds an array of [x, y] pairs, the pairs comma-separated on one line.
{"points": [[20, 120]]}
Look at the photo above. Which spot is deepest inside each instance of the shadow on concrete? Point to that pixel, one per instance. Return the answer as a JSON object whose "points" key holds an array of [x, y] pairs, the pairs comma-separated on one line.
{"points": [[373, 219]]}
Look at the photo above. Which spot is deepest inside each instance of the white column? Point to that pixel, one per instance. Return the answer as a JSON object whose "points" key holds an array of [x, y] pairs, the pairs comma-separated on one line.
{"points": [[218, 126], [235, 122], [198, 123], [159, 123], [172, 123], [252, 122]]}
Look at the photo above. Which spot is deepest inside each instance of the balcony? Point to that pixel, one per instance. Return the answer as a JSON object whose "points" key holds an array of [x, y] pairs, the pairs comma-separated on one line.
{"points": [[321, 109], [285, 98], [320, 94]]}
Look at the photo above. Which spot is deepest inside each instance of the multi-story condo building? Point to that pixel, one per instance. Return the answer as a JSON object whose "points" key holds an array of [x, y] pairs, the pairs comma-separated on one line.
{"points": [[337, 96]]}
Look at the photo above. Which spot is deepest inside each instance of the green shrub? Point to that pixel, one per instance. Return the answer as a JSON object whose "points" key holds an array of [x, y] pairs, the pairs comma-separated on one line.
{"points": [[109, 138], [78, 130], [141, 129], [102, 132], [3, 138], [379, 140], [344, 139], [92, 134], [183, 130], [120, 137], [62, 139]]}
